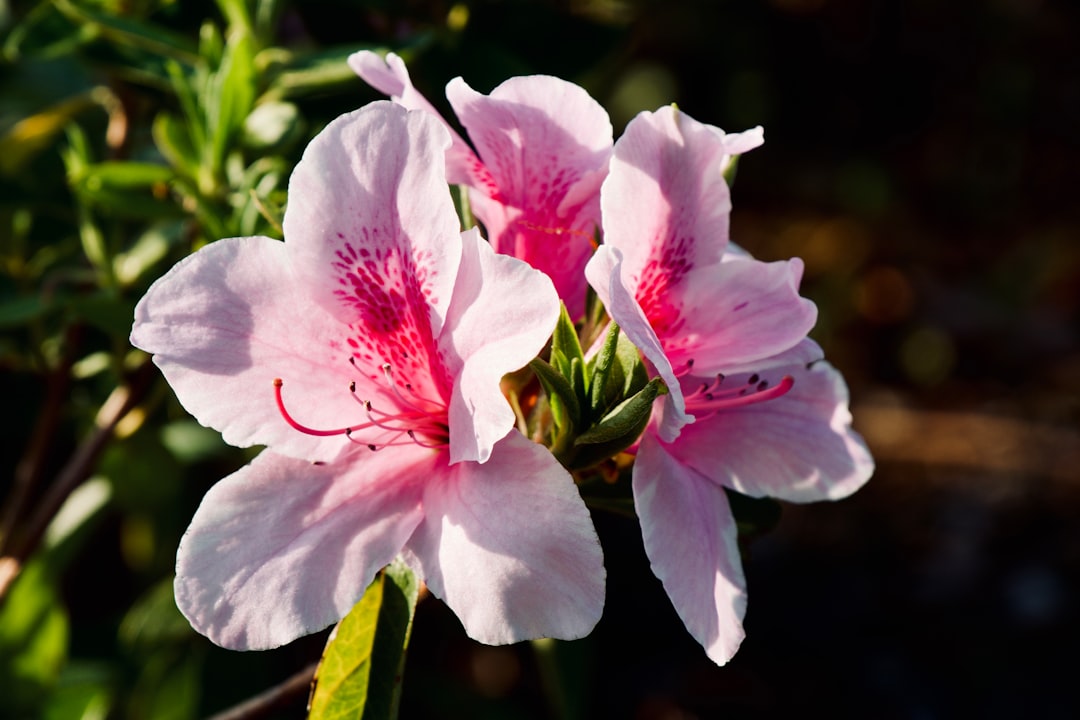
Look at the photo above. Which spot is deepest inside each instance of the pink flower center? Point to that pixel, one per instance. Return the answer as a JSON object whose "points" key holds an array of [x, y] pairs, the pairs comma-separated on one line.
{"points": [[716, 396], [414, 420]]}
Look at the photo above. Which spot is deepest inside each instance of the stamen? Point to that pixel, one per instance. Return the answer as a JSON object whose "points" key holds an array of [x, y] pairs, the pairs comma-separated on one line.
{"points": [[711, 399], [297, 426], [684, 369], [431, 405]]}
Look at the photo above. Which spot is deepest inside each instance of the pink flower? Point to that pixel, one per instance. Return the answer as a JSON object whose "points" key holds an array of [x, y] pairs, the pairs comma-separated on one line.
{"points": [[543, 147], [752, 406], [366, 353]]}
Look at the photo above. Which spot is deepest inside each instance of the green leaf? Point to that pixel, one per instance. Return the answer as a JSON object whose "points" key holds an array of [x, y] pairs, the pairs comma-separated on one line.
{"points": [[84, 691], [236, 12], [313, 73], [563, 399], [173, 139], [126, 189], [731, 169], [618, 430], [154, 621], [127, 32], [18, 310], [230, 95], [602, 364], [191, 442], [35, 133], [626, 421], [149, 249], [565, 345], [360, 672], [272, 125], [33, 640], [460, 193]]}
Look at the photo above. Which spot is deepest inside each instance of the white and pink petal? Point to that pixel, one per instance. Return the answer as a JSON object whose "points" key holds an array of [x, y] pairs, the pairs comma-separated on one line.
{"points": [[501, 315], [665, 202], [692, 543], [735, 312], [283, 548], [798, 447], [510, 547], [546, 143], [222, 325], [605, 273], [390, 76]]}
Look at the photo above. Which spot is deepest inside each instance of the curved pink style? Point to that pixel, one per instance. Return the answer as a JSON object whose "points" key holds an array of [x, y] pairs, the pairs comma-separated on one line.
{"points": [[542, 149], [366, 353], [751, 404]]}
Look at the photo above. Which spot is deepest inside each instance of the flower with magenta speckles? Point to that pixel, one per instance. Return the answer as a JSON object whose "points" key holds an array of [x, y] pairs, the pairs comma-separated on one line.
{"points": [[752, 406], [542, 150], [366, 353]]}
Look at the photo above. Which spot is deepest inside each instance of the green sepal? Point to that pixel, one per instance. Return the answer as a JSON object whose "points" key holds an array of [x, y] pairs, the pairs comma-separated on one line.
{"points": [[627, 420], [601, 371], [561, 396], [618, 373], [617, 431], [565, 345], [359, 675]]}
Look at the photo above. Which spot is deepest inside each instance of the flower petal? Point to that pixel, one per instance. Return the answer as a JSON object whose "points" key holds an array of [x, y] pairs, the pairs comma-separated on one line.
{"points": [[546, 143], [501, 315], [510, 547], [283, 548], [754, 312], [605, 274], [390, 76], [692, 543], [372, 234], [799, 447], [665, 202], [222, 324]]}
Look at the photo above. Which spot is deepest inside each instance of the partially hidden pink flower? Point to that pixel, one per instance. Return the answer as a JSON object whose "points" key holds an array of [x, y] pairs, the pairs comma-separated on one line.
{"points": [[752, 405], [366, 353], [542, 149]]}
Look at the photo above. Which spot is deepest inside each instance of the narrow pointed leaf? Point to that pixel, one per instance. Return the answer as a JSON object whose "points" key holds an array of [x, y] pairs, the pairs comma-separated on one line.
{"points": [[559, 392], [627, 419], [602, 364], [565, 345]]}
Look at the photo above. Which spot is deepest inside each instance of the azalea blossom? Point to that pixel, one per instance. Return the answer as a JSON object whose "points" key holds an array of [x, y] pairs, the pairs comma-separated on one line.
{"points": [[366, 353], [751, 404], [542, 149]]}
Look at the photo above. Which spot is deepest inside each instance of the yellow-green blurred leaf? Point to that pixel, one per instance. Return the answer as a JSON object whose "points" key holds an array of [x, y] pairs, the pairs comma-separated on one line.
{"points": [[33, 640], [35, 133]]}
